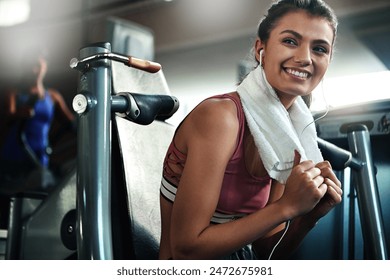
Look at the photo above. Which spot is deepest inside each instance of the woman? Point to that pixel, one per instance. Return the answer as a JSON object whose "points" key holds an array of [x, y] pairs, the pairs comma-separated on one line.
{"points": [[244, 168], [30, 110]]}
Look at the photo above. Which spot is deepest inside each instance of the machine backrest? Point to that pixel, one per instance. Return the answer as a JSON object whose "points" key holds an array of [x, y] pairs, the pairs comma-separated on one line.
{"points": [[143, 149]]}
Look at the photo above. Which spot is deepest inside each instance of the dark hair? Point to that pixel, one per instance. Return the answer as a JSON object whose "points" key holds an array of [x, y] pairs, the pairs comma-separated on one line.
{"points": [[280, 8]]}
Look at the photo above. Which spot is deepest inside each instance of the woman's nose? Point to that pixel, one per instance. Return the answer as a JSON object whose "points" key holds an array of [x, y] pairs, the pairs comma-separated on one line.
{"points": [[303, 56]]}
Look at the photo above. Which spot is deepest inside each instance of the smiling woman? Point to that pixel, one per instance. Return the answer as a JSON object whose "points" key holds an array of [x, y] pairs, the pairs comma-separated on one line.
{"points": [[243, 167], [296, 55]]}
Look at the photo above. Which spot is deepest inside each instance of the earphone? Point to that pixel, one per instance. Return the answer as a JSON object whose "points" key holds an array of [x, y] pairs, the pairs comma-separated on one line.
{"points": [[280, 239], [326, 109], [261, 57]]}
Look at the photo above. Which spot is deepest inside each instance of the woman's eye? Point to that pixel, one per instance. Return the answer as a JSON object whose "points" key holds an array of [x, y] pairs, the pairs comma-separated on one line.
{"points": [[320, 49], [290, 41]]}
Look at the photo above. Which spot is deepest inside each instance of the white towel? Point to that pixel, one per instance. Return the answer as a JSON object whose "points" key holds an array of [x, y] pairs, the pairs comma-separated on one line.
{"points": [[276, 131]]}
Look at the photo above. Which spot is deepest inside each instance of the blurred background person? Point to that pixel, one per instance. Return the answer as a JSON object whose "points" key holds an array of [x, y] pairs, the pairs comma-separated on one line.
{"points": [[29, 111]]}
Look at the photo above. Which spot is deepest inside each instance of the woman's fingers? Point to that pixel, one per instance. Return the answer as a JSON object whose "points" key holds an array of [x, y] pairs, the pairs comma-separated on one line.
{"points": [[327, 172], [333, 186], [331, 180], [297, 158]]}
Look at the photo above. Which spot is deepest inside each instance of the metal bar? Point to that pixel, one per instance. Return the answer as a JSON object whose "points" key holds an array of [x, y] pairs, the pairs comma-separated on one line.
{"points": [[14, 227], [367, 192], [94, 157], [145, 65], [345, 246], [119, 104]]}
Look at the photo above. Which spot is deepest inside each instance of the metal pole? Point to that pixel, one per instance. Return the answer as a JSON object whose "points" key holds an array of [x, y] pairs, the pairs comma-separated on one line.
{"points": [[367, 192], [94, 156]]}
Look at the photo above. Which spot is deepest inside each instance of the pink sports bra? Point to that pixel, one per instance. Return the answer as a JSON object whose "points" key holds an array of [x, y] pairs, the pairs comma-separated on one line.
{"points": [[241, 193]]}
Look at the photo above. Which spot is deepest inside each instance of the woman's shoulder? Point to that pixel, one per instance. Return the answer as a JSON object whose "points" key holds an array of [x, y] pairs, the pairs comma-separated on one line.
{"points": [[214, 119], [219, 110], [54, 93]]}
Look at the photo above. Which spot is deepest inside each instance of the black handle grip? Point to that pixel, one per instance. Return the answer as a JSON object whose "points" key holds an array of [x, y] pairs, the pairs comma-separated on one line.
{"points": [[338, 157], [145, 108]]}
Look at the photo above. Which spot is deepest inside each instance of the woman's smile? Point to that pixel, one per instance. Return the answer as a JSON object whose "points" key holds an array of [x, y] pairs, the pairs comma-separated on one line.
{"points": [[298, 74], [297, 54]]}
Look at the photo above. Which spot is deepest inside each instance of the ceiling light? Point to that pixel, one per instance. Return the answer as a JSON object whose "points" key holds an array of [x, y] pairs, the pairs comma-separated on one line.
{"points": [[14, 12]]}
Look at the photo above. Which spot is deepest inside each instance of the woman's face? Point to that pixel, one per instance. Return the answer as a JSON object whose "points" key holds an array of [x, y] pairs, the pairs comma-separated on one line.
{"points": [[297, 54]]}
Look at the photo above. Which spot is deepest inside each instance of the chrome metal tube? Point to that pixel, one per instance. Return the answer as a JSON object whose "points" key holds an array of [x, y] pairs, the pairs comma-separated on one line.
{"points": [[367, 192], [94, 236]]}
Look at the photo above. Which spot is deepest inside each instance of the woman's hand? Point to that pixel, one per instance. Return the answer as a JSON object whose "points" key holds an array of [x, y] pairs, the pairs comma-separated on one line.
{"points": [[333, 194], [304, 188]]}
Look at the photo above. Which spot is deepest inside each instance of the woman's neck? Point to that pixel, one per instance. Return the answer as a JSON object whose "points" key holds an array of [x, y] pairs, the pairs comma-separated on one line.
{"points": [[287, 101]]}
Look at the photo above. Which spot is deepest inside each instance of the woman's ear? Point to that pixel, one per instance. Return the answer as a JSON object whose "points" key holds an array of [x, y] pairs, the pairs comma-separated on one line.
{"points": [[258, 47]]}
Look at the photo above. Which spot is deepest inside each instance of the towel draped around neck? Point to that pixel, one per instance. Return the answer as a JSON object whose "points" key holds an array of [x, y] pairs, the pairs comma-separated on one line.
{"points": [[276, 131]]}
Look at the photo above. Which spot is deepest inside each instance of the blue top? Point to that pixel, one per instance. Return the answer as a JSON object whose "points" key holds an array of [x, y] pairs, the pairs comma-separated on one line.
{"points": [[36, 130]]}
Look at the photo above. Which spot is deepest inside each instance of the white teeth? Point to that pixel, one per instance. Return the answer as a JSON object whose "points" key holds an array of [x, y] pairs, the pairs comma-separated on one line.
{"points": [[297, 73]]}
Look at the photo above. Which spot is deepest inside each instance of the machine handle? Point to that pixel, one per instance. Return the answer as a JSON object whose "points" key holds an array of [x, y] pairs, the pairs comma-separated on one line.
{"points": [[141, 64], [144, 65], [338, 157], [144, 108]]}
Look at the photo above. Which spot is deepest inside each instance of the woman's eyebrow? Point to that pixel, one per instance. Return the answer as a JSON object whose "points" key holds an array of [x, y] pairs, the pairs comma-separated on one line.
{"points": [[296, 34], [299, 36]]}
